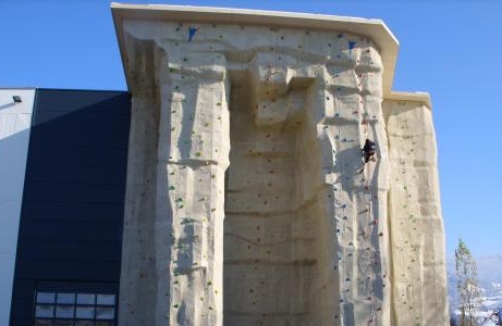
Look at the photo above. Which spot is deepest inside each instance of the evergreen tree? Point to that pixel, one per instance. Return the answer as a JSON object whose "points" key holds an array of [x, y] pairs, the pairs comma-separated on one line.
{"points": [[467, 284]]}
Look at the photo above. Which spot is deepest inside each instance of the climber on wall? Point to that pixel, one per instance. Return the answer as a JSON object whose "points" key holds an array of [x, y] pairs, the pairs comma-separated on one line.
{"points": [[369, 151]]}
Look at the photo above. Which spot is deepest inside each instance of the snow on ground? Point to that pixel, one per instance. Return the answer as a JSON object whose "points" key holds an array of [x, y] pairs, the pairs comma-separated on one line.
{"points": [[490, 287]]}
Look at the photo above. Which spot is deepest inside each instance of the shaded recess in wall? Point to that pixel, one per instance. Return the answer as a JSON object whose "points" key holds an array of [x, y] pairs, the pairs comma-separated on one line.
{"points": [[273, 215]]}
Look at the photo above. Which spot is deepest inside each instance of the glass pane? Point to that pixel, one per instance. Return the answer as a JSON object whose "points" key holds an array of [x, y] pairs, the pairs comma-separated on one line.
{"points": [[104, 323], [41, 322], [66, 298], [86, 298], [63, 323], [105, 313], [84, 323], [64, 311], [44, 311], [106, 299], [46, 297], [85, 312]]}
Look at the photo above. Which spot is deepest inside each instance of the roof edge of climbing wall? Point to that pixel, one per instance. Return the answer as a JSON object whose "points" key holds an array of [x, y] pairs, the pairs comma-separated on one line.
{"points": [[422, 97], [375, 29]]}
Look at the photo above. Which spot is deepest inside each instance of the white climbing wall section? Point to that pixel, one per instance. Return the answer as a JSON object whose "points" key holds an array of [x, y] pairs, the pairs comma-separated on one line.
{"points": [[248, 200], [417, 236]]}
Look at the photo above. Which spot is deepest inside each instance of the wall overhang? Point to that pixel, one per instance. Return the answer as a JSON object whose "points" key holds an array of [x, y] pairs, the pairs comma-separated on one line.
{"points": [[375, 29], [422, 97]]}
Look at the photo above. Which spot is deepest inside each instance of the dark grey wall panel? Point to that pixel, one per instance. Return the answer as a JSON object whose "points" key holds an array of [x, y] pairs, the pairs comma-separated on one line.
{"points": [[109, 175], [71, 211], [72, 215]]}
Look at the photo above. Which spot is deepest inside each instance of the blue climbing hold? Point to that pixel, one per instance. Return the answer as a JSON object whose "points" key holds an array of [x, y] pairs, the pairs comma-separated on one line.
{"points": [[352, 44], [191, 33]]}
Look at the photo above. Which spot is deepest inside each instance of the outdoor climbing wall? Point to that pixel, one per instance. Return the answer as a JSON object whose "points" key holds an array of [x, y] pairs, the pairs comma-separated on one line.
{"points": [[178, 155], [417, 235], [248, 199], [264, 258]]}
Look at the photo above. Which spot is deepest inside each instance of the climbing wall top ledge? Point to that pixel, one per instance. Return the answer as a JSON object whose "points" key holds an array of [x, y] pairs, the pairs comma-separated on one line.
{"points": [[422, 97], [372, 29]]}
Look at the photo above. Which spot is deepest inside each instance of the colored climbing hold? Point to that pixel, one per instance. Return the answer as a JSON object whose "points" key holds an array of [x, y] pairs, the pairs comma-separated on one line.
{"points": [[191, 33], [352, 44]]}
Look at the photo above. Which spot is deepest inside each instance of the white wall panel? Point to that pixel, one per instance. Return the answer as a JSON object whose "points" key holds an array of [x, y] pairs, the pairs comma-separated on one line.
{"points": [[15, 121]]}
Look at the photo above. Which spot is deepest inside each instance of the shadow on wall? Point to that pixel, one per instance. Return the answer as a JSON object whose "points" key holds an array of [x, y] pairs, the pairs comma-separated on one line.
{"points": [[6, 106], [73, 201]]}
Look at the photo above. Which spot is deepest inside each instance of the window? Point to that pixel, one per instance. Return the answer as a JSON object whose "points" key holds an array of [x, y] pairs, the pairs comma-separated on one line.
{"points": [[75, 309]]}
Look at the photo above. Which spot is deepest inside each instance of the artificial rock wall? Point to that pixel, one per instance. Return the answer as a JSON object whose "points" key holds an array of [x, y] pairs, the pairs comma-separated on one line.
{"points": [[416, 226], [248, 202]]}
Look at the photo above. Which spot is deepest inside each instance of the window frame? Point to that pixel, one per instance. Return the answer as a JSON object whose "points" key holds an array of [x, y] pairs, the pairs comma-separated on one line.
{"points": [[57, 291]]}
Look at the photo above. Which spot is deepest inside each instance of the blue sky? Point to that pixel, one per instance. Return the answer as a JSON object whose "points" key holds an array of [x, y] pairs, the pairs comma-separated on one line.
{"points": [[450, 48]]}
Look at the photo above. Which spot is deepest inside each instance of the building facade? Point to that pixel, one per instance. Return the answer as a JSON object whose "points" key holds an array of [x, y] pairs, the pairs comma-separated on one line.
{"points": [[229, 186], [64, 153]]}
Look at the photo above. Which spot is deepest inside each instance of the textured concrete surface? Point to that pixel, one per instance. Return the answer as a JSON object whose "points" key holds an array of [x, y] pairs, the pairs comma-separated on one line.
{"points": [[248, 201], [417, 235]]}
